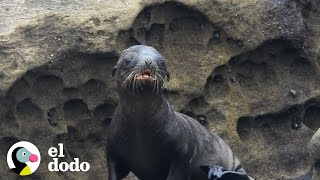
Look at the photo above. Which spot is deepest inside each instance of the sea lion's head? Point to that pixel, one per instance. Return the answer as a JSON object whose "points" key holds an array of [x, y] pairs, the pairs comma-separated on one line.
{"points": [[139, 69]]}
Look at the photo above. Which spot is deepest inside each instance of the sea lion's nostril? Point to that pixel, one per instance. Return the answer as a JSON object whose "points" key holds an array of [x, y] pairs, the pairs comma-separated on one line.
{"points": [[148, 63]]}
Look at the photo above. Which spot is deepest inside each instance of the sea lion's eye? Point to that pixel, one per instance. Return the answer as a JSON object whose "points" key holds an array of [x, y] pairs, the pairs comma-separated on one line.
{"points": [[23, 153], [162, 62], [128, 60]]}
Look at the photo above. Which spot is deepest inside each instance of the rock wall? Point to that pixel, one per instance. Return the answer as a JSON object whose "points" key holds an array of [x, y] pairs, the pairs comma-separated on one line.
{"points": [[247, 70]]}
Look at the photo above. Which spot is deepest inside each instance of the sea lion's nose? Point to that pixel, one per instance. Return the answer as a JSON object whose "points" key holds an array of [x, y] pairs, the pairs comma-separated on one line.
{"points": [[148, 62]]}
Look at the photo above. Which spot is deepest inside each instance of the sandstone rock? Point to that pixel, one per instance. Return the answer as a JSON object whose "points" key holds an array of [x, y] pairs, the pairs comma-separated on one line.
{"points": [[314, 146], [233, 65], [314, 149]]}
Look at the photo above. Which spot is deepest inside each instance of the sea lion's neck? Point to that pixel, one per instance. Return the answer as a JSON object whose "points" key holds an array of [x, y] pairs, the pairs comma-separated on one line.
{"points": [[144, 105]]}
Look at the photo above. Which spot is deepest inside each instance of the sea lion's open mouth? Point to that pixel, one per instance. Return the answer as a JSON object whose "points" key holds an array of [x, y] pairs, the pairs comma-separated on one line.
{"points": [[145, 75]]}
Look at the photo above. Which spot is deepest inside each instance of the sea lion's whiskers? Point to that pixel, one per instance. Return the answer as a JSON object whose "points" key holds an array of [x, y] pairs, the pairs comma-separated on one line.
{"points": [[161, 78], [154, 85], [158, 86], [135, 82], [131, 80], [165, 73], [133, 70], [159, 81], [154, 75], [138, 82], [128, 78], [139, 87]]}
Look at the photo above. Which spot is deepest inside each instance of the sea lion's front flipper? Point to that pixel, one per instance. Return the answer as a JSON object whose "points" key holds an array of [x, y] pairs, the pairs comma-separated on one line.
{"points": [[218, 173], [177, 171]]}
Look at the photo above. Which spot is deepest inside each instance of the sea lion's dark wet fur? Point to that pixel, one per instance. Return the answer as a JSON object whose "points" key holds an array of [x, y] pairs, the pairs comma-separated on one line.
{"points": [[147, 137]]}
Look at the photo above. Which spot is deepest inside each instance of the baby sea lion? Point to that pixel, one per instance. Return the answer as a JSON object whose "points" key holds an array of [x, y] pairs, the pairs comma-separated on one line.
{"points": [[150, 139]]}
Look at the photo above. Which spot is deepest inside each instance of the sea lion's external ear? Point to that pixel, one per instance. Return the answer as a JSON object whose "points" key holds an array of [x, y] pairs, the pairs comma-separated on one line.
{"points": [[114, 71], [168, 76]]}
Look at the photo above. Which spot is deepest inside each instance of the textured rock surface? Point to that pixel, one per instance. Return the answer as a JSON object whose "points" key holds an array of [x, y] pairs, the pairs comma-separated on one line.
{"points": [[314, 149], [314, 146], [248, 70]]}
